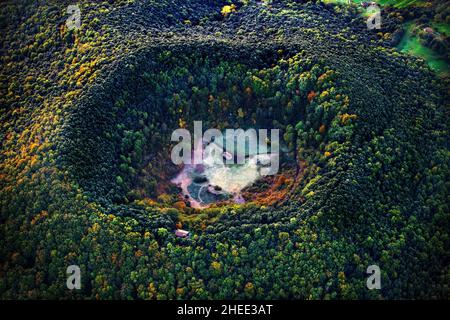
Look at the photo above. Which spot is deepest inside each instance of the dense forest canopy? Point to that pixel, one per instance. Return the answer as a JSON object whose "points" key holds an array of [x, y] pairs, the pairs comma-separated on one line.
{"points": [[85, 171]]}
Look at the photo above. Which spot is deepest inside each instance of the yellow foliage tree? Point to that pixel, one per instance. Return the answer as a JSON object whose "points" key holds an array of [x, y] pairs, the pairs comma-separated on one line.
{"points": [[226, 10]]}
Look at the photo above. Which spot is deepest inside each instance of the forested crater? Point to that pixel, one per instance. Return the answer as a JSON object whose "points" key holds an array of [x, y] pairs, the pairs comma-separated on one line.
{"points": [[117, 142]]}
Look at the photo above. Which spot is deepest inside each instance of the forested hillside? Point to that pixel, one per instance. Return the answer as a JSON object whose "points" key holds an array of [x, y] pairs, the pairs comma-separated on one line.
{"points": [[85, 171]]}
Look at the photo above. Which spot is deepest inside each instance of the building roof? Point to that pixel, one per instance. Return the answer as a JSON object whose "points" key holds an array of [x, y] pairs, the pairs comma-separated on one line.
{"points": [[181, 233]]}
